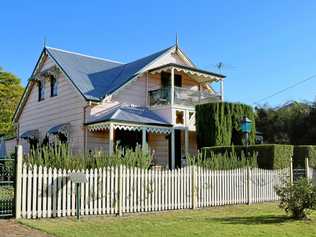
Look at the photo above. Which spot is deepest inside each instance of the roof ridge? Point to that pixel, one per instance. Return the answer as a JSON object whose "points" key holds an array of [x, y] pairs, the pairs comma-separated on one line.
{"points": [[85, 55]]}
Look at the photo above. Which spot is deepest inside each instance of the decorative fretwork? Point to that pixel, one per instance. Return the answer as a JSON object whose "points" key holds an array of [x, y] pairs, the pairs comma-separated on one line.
{"points": [[129, 127]]}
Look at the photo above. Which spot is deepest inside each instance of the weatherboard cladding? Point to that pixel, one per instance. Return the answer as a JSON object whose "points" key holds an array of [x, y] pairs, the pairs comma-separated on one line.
{"points": [[95, 77], [139, 115]]}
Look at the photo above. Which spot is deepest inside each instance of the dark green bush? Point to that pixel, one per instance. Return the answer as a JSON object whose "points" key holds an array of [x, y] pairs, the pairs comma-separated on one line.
{"points": [[269, 156], [297, 199], [304, 151], [218, 124], [225, 161]]}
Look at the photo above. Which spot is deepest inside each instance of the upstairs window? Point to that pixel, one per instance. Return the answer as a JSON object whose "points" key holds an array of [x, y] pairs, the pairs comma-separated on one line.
{"points": [[166, 80], [53, 86], [41, 90]]}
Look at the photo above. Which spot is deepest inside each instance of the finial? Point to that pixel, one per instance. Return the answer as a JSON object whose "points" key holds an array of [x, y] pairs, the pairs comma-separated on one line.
{"points": [[45, 41], [177, 41]]}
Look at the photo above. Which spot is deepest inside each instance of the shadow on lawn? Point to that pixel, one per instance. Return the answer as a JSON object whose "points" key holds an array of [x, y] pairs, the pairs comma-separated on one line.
{"points": [[253, 220]]}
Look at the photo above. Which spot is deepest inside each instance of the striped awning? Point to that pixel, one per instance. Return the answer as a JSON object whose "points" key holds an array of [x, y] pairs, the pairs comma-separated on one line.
{"points": [[61, 128], [201, 76], [30, 134]]}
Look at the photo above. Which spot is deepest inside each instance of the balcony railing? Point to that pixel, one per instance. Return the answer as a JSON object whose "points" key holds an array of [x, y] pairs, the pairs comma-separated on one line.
{"points": [[182, 96]]}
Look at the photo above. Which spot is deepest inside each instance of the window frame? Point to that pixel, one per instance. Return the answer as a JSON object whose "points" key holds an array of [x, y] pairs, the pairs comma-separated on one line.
{"points": [[53, 86], [41, 90]]}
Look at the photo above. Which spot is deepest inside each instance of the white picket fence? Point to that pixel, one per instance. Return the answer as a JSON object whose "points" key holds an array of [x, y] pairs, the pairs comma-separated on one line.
{"points": [[47, 192]]}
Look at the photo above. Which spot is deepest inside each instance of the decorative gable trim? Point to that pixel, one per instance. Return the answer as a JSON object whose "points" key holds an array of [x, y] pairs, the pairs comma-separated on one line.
{"points": [[173, 49], [35, 76]]}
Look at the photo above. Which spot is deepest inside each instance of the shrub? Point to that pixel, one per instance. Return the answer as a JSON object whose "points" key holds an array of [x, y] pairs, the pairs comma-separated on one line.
{"points": [[304, 151], [218, 124], [297, 199], [59, 156], [225, 161], [269, 156]]}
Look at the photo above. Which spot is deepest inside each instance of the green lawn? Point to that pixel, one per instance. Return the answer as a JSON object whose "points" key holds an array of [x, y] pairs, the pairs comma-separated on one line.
{"points": [[255, 220]]}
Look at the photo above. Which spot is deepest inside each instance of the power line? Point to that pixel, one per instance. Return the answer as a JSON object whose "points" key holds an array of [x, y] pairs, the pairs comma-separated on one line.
{"points": [[287, 88]]}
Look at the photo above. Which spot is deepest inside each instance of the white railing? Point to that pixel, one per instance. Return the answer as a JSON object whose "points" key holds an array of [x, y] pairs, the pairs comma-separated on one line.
{"points": [[182, 96], [47, 192]]}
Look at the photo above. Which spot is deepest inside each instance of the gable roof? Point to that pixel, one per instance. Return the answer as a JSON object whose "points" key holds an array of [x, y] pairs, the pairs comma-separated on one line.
{"points": [[131, 114], [95, 77]]}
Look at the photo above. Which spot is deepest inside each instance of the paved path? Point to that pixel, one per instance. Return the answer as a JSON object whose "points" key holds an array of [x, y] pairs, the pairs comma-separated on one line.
{"points": [[9, 228]]}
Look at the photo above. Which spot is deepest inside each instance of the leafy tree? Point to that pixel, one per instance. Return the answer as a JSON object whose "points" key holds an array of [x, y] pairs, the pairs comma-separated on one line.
{"points": [[10, 94], [285, 124], [309, 127]]}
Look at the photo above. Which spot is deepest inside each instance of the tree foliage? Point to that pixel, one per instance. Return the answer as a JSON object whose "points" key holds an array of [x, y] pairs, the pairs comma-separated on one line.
{"points": [[10, 94], [218, 124], [292, 123]]}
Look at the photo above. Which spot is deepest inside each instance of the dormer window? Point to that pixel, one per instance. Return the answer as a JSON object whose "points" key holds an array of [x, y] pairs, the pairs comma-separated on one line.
{"points": [[41, 90], [53, 86]]}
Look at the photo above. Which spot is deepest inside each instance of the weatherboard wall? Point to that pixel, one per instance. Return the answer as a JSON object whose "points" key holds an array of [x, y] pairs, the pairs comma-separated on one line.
{"points": [[66, 107]]}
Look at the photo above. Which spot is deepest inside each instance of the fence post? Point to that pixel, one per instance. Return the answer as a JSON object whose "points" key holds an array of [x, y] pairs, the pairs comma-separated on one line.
{"points": [[120, 191], [249, 184], [18, 191], [291, 170], [193, 188], [307, 168]]}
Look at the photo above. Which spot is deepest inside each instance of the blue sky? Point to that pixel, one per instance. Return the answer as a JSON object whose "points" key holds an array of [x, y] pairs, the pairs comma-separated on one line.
{"points": [[266, 45]]}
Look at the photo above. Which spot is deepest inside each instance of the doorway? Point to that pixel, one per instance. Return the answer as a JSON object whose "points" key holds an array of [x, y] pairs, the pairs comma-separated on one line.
{"points": [[177, 144]]}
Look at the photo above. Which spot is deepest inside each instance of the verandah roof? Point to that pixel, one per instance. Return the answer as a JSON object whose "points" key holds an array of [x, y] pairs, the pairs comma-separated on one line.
{"points": [[131, 114]]}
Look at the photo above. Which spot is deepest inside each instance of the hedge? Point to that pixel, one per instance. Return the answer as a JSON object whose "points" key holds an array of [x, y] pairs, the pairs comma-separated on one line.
{"points": [[270, 156], [218, 124], [304, 151]]}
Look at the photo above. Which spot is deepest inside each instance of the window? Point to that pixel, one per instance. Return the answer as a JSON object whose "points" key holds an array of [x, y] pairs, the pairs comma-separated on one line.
{"points": [[53, 86], [41, 90], [191, 115], [166, 80], [179, 117]]}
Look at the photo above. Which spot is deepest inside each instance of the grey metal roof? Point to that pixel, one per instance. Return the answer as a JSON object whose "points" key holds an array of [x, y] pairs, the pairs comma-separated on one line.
{"points": [[95, 77], [131, 114]]}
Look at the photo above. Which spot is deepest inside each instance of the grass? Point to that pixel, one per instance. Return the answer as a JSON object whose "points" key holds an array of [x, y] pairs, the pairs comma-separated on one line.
{"points": [[6, 192], [242, 220]]}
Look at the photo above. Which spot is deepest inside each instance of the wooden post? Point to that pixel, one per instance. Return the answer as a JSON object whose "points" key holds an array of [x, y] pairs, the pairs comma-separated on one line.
{"points": [[307, 168], [111, 139], [172, 149], [120, 191], [78, 200], [18, 191], [144, 142], [172, 86], [291, 170], [194, 188], [186, 142], [249, 184]]}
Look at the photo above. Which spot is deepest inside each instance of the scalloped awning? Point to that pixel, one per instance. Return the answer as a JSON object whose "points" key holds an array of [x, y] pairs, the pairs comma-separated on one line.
{"points": [[199, 75]]}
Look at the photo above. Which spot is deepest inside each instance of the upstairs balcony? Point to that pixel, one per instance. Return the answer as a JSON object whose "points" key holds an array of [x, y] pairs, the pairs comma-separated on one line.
{"points": [[182, 96]]}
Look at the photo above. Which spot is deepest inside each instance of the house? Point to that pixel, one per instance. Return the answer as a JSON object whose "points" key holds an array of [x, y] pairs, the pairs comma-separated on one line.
{"points": [[94, 103]]}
